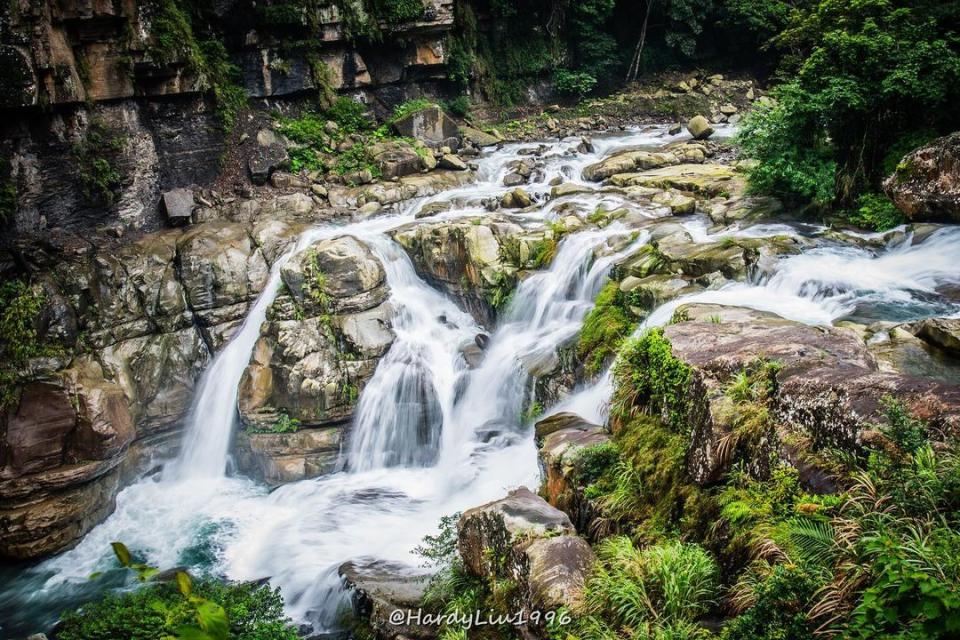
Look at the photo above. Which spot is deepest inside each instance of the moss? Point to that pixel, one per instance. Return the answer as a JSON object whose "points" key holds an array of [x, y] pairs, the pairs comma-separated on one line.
{"points": [[605, 328]]}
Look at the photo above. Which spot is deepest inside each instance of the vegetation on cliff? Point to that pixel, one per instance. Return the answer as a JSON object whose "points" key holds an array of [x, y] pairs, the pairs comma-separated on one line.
{"points": [[762, 551]]}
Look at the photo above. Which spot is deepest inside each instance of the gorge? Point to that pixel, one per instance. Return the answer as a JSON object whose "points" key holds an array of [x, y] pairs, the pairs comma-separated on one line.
{"points": [[319, 317]]}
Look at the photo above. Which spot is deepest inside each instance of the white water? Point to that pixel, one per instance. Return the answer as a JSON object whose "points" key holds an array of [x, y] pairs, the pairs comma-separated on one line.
{"points": [[819, 287], [431, 436]]}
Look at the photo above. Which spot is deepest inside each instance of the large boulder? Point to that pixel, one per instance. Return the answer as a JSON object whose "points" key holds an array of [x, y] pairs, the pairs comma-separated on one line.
{"points": [[828, 392], [396, 158], [522, 538], [708, 180], [632, 160], [699, 127], [942, 333], [429, 124], [321, 343], [926, 183]]}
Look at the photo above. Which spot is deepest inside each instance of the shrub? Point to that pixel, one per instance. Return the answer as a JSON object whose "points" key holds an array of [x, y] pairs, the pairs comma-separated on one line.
{"points": [[788, 139], [648, 375], [350, 115], [160, 611], [574, 83], [780, 601], [95, 156], [459, 106], [410, 106], [876, 211]]}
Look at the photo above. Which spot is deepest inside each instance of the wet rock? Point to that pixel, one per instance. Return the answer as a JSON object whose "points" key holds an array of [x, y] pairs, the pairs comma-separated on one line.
{"points": [[516, 199], [700, 179], [523, 538], [178, 206], [699, 127], [926, 183], [284, 180], [429, 124], [278, 458], [339, 275], [678, 203], [675, 129], [478, 138], [943, 333], [379, 588], [829, 388]]}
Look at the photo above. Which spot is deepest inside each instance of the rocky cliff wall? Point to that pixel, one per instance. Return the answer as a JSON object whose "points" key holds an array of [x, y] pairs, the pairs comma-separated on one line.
{"points": [[108, 104]]}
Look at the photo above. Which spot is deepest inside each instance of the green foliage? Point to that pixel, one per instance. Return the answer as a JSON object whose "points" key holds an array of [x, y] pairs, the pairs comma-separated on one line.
{"points": [[864, 76], [441, 550], [647, 376], [605, 328], [95, 156], [788, 139], [574, 83], [459, 106], [180, 609], [398, 11], [20, 305], [350, 115], [648, 589], [779, 602], [410, 106], [875, 211], [591, 463]]}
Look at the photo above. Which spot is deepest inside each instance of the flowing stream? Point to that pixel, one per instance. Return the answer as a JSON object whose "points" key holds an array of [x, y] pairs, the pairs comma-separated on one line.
{"points": [[431, 435]]}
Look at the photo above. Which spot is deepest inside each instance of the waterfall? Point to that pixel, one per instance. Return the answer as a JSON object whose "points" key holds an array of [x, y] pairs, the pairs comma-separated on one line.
{"points": [[431, 435]]}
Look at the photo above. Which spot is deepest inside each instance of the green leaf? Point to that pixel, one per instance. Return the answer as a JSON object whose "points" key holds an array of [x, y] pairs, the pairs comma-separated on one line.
{"points": [[95, 575], [122, 553], [193, 633], [184, 583], [213, 620]]}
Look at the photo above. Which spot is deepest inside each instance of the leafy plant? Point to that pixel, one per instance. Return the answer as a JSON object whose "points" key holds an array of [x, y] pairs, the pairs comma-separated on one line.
{"points": [[95, 156], [605, 328], [574, 83]]}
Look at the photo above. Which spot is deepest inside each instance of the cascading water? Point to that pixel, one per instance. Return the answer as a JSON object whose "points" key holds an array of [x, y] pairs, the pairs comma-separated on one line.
{"points": [[432, 436]]}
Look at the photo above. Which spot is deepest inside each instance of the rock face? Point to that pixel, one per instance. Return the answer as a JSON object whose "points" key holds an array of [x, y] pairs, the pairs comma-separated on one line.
{"points": [[926, 184], [524, 539], [465, 260], [829, 390], [150, 313], [562, 437], [943, 333], [70, 65], [321, 343]]}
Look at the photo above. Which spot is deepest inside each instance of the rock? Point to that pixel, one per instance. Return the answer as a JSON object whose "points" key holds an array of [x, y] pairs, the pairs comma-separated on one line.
{"points": [[513, 180], [284, 180], [452, 163], [379, 588], [278, 458], [477, 137], [568, 189], [523, 538], [708, 180], [396, 158], [557, 422], [178, 206], [728, 109], [519, 199], [264, 160], [339, 275], [318, 190], [675, 129], [716, 79], [829, 388], [699, 127], [429, 124], [750, 95], [943, 333], [628, 161], [586, 145], [678, 203], [926, 183]]}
